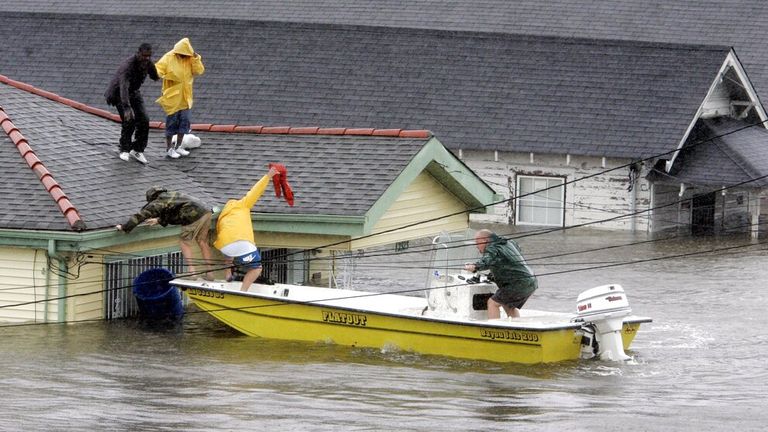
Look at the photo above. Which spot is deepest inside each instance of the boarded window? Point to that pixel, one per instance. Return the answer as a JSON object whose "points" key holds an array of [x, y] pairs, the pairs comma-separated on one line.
{"points": [[284, 265], [118, 297], [275, 264], [541, 200]]}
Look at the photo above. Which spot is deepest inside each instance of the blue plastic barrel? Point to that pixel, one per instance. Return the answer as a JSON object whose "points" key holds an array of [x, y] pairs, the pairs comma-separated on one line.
{"points": [[156, 298]]}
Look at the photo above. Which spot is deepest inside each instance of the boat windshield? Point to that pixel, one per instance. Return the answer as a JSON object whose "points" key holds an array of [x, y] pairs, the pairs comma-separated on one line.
{"points": [[450, 251]]}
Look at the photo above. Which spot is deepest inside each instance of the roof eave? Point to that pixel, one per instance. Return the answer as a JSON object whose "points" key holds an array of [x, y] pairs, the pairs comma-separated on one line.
{"points": [[83, 241], [448, 170]]}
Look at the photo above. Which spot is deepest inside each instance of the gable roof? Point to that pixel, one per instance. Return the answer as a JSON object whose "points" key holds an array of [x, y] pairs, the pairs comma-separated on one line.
{"points": [[724, 152], [335, 172], [474, 90]]}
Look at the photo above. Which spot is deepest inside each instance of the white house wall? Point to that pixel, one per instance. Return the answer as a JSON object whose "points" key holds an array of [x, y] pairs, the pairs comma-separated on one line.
{"points": [[604, 195]]}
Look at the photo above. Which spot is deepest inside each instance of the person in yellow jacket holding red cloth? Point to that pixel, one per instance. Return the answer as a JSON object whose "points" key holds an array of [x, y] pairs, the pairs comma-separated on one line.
{"points": [[178, 69], [234, 232]]}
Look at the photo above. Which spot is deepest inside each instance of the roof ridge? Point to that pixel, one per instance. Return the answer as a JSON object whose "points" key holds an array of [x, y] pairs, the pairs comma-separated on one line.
{"points": [[389, 26], [46, 178], [230, 128]]}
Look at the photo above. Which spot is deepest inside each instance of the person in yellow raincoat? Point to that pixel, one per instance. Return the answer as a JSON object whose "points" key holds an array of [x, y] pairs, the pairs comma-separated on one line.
{"points": [[178, 69], [234, 232]]}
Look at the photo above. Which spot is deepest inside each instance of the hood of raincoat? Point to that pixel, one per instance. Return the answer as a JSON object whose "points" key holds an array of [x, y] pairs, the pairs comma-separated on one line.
{"points": [[494, 238], [178, 68], [183, 47]]}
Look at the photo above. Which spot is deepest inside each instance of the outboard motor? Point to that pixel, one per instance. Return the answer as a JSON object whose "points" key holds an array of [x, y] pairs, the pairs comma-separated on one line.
{"points": [[604, 307]]}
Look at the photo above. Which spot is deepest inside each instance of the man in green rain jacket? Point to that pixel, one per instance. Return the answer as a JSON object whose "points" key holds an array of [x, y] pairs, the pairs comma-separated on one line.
{"points": [[514, 278]]}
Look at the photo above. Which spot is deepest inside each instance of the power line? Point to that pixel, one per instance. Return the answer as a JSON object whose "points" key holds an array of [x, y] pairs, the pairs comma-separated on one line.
{"points": [[80, 261], [632, 163], [458, 262], [596, 267], [724, 250]]}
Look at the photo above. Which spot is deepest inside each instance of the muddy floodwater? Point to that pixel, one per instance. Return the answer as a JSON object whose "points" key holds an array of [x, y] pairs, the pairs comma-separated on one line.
{"points": [[701, 364]]}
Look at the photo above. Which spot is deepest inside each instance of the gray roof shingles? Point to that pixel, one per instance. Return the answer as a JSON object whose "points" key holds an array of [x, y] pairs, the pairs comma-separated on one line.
{"points": [[738, 23], [473, 90], [725, 152], [26, 204], [333, 175]]}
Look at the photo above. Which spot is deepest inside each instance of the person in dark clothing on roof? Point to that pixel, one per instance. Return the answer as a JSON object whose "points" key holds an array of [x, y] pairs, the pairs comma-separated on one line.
{"points": [[124, 93], [514, 278], [175, 208]]}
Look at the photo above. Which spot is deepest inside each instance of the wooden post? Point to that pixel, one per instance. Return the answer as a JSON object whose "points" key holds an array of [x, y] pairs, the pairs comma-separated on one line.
{"points": [[754, 210]]}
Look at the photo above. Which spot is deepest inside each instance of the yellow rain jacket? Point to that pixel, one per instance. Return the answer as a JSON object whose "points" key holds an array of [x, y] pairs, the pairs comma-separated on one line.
{"points": [[178, 74], [234, 222]]}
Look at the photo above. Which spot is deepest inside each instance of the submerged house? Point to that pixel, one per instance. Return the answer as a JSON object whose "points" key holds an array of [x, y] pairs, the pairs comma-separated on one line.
{"points": [[717, 183], [64, 190], [572, 131]]}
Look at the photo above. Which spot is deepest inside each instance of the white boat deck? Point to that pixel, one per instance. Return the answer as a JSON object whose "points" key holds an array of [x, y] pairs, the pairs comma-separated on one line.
{"points": [[389, 304]]}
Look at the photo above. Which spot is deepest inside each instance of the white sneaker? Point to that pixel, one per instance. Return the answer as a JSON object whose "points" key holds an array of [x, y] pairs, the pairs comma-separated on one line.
{"points": [[139, 156], [182, 152], [125, 156], [173, 154]]}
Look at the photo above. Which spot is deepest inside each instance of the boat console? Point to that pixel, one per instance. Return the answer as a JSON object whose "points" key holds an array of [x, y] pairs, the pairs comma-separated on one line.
{"points": [[462, 295]]}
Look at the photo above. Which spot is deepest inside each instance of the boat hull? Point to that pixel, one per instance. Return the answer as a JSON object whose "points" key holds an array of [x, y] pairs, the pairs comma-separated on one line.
{"points": [[272, 317]]}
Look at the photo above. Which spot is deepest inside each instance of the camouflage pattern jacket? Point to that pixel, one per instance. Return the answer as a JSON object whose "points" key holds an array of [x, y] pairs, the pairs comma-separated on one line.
{"points": [[171, 208]]}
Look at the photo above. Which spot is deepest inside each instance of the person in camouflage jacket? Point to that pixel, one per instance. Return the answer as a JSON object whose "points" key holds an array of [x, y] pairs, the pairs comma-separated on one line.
{"points": [[175, 208], [514, 278]]}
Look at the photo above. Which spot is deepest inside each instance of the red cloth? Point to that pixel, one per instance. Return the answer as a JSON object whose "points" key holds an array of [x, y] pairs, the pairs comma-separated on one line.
{"points": [[280, 180]]}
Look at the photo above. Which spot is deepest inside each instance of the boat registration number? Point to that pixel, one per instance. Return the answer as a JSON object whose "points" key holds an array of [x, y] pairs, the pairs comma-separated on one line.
{"points": [[204, 293], [509, 335]]}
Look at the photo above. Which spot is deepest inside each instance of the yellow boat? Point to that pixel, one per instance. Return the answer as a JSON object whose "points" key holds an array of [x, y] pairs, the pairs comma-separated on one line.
{"points": [[449, 321]]}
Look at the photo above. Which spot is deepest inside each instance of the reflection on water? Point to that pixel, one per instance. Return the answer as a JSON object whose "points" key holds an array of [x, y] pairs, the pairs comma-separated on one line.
{"points": [[698, 366]]}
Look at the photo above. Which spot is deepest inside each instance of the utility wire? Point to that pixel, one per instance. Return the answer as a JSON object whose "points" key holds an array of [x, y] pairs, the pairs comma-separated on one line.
{"points": [[588, 176], [448, 263], [406, 291], [518, 197], [692, 145]]}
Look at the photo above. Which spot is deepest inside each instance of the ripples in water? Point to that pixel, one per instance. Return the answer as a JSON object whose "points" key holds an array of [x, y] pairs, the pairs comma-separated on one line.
{"points": [[698, 366]]}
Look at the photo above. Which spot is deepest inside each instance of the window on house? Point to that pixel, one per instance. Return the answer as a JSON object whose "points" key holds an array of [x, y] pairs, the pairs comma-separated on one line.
{"points": [[284, 265], [275, 264], [542, 200], [280, 265], [119, 301]]}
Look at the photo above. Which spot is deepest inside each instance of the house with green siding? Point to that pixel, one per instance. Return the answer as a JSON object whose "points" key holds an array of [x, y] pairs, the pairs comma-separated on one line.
{"points": [[64, 190]]}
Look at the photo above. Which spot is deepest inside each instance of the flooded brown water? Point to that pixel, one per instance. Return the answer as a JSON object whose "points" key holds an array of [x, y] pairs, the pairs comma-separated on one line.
{"points": [[699, 366]]}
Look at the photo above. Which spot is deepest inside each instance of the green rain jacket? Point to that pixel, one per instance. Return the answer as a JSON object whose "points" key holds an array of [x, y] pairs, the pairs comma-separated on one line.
{"points": [[510, 272], [170, 208]]}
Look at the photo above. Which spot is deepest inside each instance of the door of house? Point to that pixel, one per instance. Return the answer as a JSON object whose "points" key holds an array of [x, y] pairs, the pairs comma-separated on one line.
{"points": [[703, 215]]}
